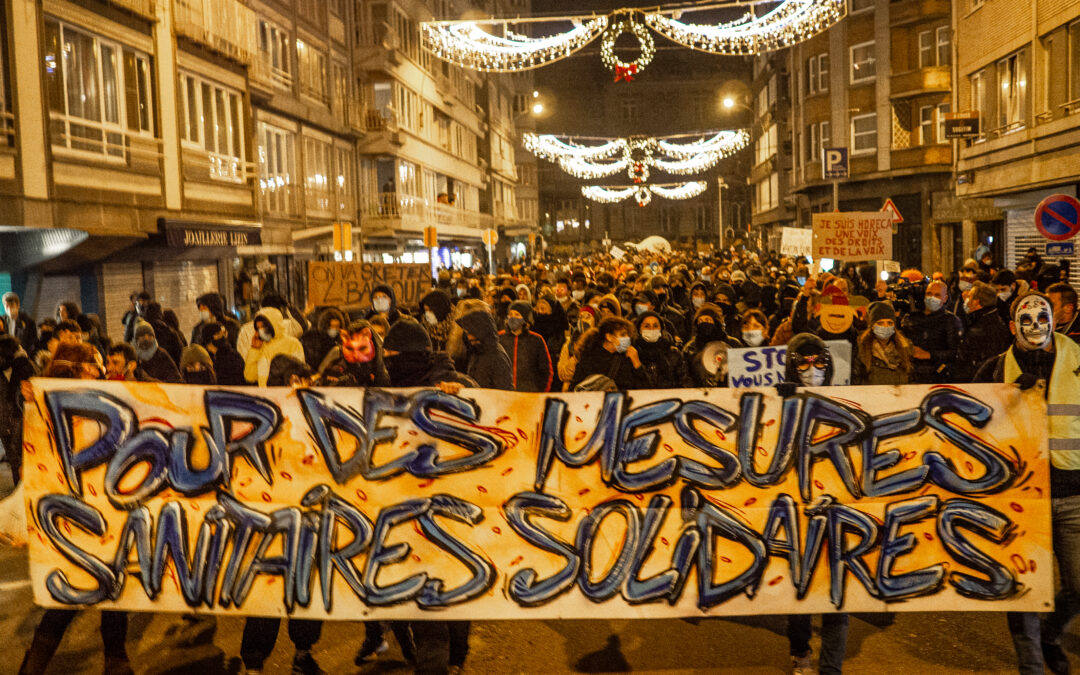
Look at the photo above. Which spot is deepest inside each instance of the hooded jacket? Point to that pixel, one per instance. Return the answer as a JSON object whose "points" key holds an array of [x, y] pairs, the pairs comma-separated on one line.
{"points": [[316, 342], [393, 315], [661, 359], [257, 360], [216, 304], [487, 362], [529, 357], [167, 338]]}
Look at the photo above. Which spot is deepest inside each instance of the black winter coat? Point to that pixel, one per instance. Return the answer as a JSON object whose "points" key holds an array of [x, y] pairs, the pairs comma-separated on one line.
{"points": [[938, 333], [986, 337], [162, 368], [663, 363], [530, 361], [487, 363], [595, 360]]}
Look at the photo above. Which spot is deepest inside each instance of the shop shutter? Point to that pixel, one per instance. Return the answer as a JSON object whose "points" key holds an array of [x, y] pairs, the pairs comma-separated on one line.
{"points": [[177, 284], [1020, 241], [119, 280], [55, 290]]}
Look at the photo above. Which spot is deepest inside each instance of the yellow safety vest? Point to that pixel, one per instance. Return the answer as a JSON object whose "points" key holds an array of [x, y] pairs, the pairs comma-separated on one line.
{"points": [[1063, 401]]}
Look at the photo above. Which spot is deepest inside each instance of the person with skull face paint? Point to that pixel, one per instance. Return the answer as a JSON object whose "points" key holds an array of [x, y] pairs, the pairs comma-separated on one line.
{"points": [[1039, 353], [269, 340], [809, 364], [357, 361]]}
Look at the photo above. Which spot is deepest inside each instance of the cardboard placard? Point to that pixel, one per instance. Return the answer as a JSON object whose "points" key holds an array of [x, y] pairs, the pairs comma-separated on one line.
{"points": [[797, 241], [764, 366], [345, 284], [853, 236]]}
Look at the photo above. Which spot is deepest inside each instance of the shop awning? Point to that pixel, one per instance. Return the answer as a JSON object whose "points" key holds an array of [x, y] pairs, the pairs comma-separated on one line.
{"points": [[25, 247]]}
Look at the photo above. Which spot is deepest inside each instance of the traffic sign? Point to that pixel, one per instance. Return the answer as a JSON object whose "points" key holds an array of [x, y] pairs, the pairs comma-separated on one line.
{"points": [[890, 208], [834, 163], [961, 125], [1060, 249], [1058, 217], [490, 237]]}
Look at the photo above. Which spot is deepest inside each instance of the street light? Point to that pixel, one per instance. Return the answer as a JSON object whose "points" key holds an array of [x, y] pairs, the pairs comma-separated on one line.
{"points": [[538, 109]]}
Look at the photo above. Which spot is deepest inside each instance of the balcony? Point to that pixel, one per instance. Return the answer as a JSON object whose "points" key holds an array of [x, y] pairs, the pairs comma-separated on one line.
{"points": [[910, 11], [387, 212], [376, 119], [144, 8], [226, 26], [922, 156], [921, 81], [264, 73]]}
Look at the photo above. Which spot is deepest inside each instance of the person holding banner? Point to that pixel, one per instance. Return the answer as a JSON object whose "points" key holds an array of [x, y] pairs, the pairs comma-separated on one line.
{"points": [[659, 355], [608, 350], [809, 364], [1039, 353], [885, 354]]}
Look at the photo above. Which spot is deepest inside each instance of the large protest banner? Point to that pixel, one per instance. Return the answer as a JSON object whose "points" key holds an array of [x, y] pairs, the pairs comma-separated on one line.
{"points": [[350, 284], [764, 366], [348, 503], [853, 236]]}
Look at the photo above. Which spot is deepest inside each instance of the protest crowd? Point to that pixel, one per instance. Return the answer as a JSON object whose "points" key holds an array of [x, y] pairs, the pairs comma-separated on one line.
{"points": [[644, 321]]}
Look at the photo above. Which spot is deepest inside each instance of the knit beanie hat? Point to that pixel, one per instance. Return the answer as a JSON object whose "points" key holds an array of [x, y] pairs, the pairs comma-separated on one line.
{"points": [[407, 335], [881, 310], [524, 308]]}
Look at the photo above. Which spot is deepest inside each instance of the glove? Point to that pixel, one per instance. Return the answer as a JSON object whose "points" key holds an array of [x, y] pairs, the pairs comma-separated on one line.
{"points": [[1026, 381], [786, 389]]}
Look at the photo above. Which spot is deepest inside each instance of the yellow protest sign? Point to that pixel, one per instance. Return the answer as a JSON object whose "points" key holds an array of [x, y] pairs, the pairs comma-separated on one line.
{"points": [[348, 503], [344, 284]]}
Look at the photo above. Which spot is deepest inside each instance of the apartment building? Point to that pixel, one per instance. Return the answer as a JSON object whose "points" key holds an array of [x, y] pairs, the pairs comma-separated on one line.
{"points": [[1018, 68], [681, 92], [878, 83], [438, 148], [771, 162]]}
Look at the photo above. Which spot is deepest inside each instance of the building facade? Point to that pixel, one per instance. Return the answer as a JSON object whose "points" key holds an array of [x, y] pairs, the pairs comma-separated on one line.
{"points": [[1018, 68]]}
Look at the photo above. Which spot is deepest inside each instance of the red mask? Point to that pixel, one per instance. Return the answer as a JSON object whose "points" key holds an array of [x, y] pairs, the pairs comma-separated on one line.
{"points": [[358, 347]]}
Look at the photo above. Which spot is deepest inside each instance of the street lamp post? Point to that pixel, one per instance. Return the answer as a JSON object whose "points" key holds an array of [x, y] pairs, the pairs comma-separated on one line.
{"points": [[720, 185]]}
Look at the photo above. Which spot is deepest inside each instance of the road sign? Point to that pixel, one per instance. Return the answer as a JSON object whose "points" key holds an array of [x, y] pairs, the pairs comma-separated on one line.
{"points": [[431, 236], [490, 237], [834, 163], [1058, 217], [961, 125], [890, 208], [1060, 249]]}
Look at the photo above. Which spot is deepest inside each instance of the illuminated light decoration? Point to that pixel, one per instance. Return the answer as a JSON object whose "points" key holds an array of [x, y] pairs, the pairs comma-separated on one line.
{"points": [[789, 23], [581, 168], [470, 46], [723, 143], [627, 70], [643, 194], [550, 147]]}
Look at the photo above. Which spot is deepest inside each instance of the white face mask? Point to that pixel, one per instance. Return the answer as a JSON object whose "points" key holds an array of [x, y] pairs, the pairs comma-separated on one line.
{"points": [[1004, 296], [381, 305], [697, 301], [577, 295], [623, 345], [754, 338], [651, 335], [265, 335], [1034, 323], [430, 317], [965, 285], [812, 377], [204, 314], [933, 303], [884, 332]]}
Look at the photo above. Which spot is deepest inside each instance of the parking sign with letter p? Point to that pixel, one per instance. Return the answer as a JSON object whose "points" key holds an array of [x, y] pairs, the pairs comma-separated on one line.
{"points": [[834, 163]]}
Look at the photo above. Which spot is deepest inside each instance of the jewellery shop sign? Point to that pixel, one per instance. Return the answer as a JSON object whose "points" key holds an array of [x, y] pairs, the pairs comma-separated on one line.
{"points": [[351, 503]]}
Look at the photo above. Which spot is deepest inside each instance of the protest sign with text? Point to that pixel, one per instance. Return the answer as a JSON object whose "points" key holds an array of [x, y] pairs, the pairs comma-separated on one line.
{"points": [[796, 241], [345, 284], [853, 236], [350, 503], [764, 366]]}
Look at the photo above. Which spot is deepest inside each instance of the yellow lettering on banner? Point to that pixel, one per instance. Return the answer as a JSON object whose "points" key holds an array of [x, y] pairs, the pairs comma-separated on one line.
{"points": [[388, 504]]}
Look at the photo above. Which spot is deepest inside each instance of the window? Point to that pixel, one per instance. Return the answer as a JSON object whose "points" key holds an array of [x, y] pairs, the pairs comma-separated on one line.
{"points": [[277, 166], [1012, 90], [944, 46], [817, 74], [863, 62], [99, 91], [767, 194], [341, 93], [701, 218], [864, 134], [826, 138], [765, 145], [926, 125], [819, 140], [861, 5], [343, 182], [317, 190], [312, 67], [212, 120], [1074, 60], [274, 50], [926, 49], [942, 111], [982, 99]]}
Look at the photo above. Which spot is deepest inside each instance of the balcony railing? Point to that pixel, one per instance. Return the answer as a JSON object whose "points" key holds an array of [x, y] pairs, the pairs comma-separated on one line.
{"points": [[394, 206], [263, 72], [225, 26], [144, 8], [375, 119]]}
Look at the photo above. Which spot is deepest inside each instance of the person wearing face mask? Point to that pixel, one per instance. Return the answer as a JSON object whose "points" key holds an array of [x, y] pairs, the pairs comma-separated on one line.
{"points": [[708, 329], [357, 361], [196, 366], [674, 319], [211, 308], [965, 279], [122, 365], [809, 364], [1038, 353], [985, 335], [138, 310], [529, 357], [884, 353], [269, 340], [1063, 298], [754, 328], [435, 310], [568, 357], [15, 368], [935, 335], [659, 355], [323, 336], [153, 360], [724, 297], [228, 364], [1005, 283], [608, 350], [550, 322], [486, 360], [564, 295], [383, 301]]}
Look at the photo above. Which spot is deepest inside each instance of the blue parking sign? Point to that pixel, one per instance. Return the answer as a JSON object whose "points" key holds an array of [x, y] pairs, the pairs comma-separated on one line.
{"points": [[834, 162]]}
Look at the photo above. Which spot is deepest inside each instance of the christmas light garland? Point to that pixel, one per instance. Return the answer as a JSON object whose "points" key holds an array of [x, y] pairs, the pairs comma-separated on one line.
{"points": [[466, 44], [643, 194], [638, 154]]}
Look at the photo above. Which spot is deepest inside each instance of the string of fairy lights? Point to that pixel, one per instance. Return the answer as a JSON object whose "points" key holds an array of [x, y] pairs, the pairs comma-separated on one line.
{"points": [[642, 194], [766, 25]]}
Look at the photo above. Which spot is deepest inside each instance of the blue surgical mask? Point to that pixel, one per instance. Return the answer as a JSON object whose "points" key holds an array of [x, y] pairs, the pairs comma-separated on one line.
{"points": [[624, 344], [801, 280]]}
